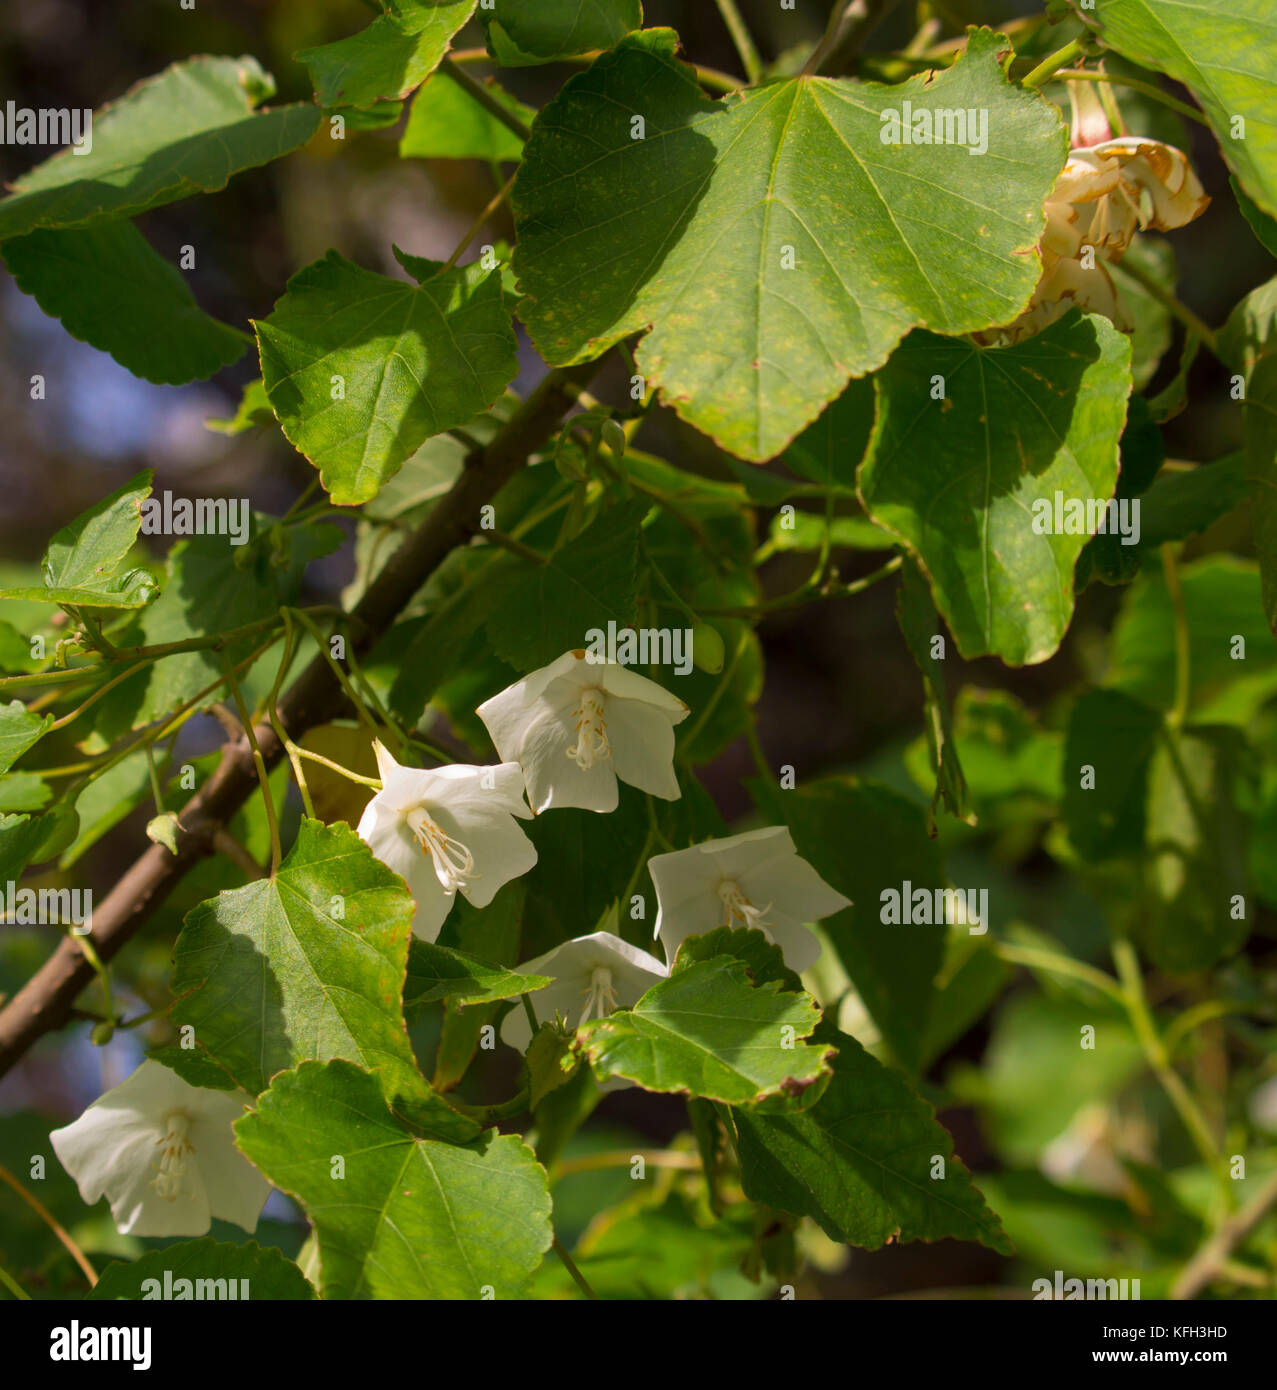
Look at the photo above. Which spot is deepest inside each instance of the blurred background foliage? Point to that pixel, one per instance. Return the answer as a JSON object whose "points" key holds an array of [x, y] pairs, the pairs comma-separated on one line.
{"points": [[1079, 1152]]}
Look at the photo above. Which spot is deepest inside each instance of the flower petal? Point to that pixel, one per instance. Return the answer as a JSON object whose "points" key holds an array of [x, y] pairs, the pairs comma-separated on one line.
{"points": [[642, 741]]}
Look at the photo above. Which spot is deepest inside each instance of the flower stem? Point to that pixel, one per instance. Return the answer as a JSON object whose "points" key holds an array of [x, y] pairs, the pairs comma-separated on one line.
{"points": [[577, 1277], [1049, 66], [743, 40], [1146, 88], [1168, 301]]}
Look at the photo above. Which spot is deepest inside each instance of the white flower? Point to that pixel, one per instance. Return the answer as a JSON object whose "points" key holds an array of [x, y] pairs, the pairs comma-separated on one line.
{"points": [[446, 830], [592, 976], [579, 724], [164, 1154], [751, 880]]}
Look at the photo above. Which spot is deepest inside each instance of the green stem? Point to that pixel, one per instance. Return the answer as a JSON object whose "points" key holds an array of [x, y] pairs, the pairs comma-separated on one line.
{"points": [[345, 772], [577, 1278], [263, 777], [13, 1286], [1183, 680], [485, 98], [91, 955], [1035, 958], [1137, 1007], [1173, 306], [743, 40], [1146, 88], [1049, 66], [531, 1014]]}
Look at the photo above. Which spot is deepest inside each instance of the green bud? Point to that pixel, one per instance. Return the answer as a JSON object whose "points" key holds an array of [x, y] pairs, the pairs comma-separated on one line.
{"points": [[102, 1033], [708, 651], [162, 830], [614, 438]]}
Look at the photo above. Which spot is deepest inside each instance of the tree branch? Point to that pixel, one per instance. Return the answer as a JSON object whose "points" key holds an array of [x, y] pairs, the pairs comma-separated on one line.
{"points": [[316, 697]]}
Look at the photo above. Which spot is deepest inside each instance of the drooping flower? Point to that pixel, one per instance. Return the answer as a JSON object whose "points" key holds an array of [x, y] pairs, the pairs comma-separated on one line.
{"points": [[163, 1153], [592, 976], [579, 724], [1106, 193], [752, 880], [448, 830]]}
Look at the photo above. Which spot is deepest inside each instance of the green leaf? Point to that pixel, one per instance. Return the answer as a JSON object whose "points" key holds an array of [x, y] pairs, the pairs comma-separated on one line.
{"points": [[1225, 53], [438, 972], [446, 122], [112, 289], [1185, 502], [252, 412], [892, 967], [1251, 330], [205, 1269], [307, 965], [411, 361], [559, 28], [547, 609], [1261, 472], [706, 1031], [765, 962], [660, 1245], [20, 838], [20, 729], [412, 1218], [959, 478], [829, 451], [1264, 227], [805, 532], [81, 566], [861, 1162], [919, 622], [685, 230], [1232, 663], [212, 587], [1201, 782], [550, 1062], [388, 59], [185, 131], [1106, 758]]}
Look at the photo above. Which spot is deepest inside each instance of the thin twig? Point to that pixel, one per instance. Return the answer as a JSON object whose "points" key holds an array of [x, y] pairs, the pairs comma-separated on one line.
{"points": [[47, 1217]]}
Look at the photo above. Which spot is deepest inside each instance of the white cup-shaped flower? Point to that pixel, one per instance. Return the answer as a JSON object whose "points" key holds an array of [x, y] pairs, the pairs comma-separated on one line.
{"points": [[447, 830], [752, 880], [592, 976], [578, 725], [163, 1154]]}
